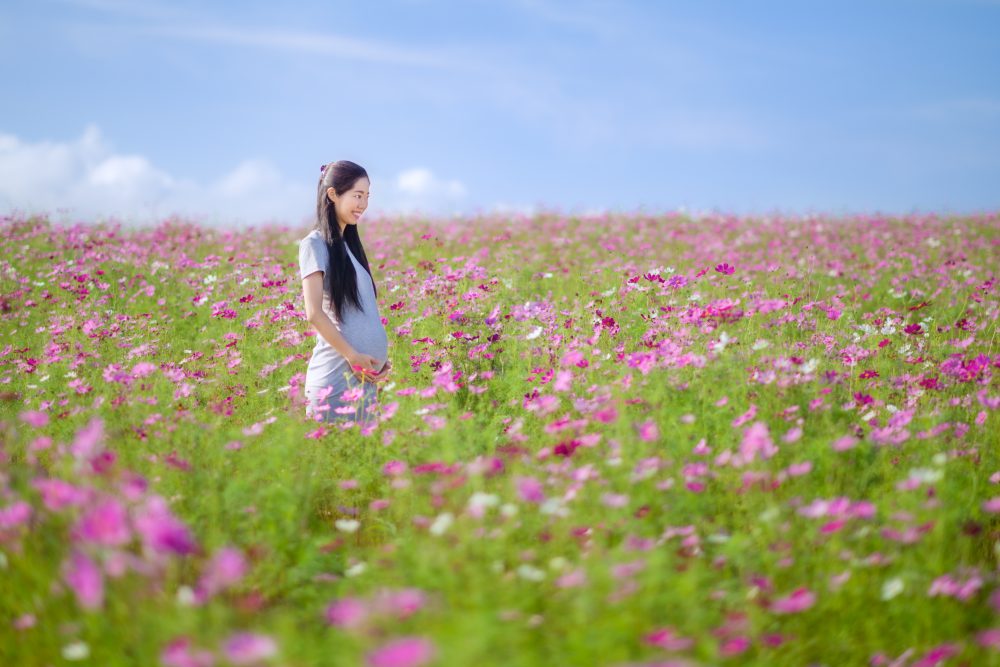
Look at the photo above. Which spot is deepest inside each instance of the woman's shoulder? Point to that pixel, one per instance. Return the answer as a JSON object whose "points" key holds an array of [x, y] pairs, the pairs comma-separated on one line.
{"points": [[314, 238]]}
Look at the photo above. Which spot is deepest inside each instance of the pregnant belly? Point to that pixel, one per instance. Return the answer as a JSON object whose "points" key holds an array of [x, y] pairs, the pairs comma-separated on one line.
{"points": [[368, 337]]}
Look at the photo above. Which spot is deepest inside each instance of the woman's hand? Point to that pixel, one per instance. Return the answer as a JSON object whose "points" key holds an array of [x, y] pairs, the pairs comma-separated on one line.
{"points": [[363, 366], [384, 373]]}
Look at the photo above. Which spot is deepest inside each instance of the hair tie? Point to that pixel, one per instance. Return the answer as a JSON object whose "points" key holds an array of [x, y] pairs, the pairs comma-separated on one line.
{"points": [[322, 168]]}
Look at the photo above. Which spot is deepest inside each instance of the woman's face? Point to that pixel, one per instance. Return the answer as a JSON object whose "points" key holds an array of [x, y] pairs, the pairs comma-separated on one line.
{"points": [[352, 203]]}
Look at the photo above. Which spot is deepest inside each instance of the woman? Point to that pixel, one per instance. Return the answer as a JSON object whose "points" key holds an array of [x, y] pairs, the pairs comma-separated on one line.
{"points": [[351, 351]]}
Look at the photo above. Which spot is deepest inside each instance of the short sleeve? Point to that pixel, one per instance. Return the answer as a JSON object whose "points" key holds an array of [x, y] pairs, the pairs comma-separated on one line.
{"points": [[312, 256]]}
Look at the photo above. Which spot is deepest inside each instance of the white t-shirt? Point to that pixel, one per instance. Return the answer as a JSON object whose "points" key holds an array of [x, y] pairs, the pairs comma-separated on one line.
{"points": [[363, 329]]}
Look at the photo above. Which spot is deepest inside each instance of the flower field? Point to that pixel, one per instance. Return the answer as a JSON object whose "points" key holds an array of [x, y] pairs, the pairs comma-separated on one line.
{"points": [[618, 440]]}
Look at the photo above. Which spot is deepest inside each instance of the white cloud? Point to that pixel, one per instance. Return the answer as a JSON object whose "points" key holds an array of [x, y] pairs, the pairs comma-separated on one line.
{"points": [[417, 189], [421, 182], [87, 179]]}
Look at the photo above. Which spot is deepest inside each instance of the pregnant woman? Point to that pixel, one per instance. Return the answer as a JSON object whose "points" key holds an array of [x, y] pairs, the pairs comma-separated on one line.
{"points": [[351, 352]]}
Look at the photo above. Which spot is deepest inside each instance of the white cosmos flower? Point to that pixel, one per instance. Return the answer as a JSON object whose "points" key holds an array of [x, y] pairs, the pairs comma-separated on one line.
{"points": [[892, 588], [347, 525], [480, 499], [441, 523], [78, 650], [530, 572], [355, 569]]}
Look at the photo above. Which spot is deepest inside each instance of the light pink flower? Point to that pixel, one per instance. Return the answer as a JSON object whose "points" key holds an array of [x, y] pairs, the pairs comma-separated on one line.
{"points": [[225, 569], [401, 602], [57, 494], [394, 468], [88, 440], [529, 489], [84, 578], [247, 648], [669, 640], [142, 369], [844, 443], [757, 441], [179, 653], [161, 530], [15, 514], [648, 431], [572, 579], [35, 418], [793, 435], [734, 646], [798, 600], [106, 524], [614, 499], [402, 652], [989, 638], [348, 612]]}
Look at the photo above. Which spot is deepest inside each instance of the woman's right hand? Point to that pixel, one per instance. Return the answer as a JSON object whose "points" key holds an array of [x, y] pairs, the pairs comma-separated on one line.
{"points": [[363, 366]]}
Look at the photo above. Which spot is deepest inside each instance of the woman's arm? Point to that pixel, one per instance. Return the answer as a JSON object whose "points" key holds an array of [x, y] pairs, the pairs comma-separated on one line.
{"points": [[312, 293]]}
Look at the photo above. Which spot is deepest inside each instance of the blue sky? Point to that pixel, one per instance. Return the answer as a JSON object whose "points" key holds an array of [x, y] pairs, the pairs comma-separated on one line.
{"points": [[226, 110]]}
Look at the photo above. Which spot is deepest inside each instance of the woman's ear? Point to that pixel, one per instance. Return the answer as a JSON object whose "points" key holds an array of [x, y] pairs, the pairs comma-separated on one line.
{"points": [[331, 193]]}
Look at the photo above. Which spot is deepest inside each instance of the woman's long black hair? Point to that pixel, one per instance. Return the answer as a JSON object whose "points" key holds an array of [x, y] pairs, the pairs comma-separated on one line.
{"points": [[339, 278]]}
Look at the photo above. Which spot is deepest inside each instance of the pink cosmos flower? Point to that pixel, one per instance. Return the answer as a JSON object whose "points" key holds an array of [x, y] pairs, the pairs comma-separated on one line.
{"points": [[394, 468], [403, 652], [161, 530], [34, 418], [57, 494], [143, 369], [14, 514], [948, 586], [106, 524], [88, 440], [937, 655], [351, 395], [757, 440], [614, 499], [989, 638], [529, 489], [564, 381], [734, 646], [725, 269], [247, 648], [225, 569], [24, 622], [572, 579], [798, 600], [648, 431], [180, 653], [746, 416], [844, 443], [668, 639], [798, 469], [84, 577], [401, 603], [793, 435], [348, 612]]}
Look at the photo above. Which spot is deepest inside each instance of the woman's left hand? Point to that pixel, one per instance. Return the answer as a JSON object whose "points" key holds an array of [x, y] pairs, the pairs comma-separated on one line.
{"points": [[384, 373]]}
